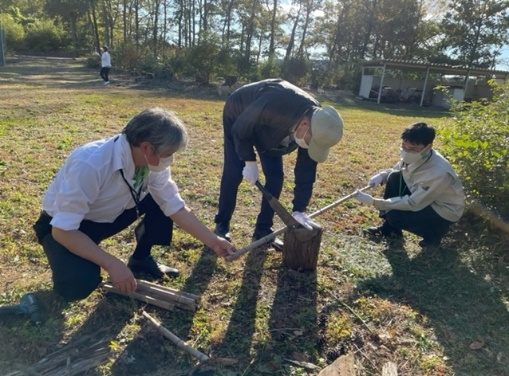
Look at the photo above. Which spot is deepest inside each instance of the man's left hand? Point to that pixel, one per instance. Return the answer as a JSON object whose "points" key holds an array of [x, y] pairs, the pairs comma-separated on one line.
{"points": [[305, 221], [363, 197]]}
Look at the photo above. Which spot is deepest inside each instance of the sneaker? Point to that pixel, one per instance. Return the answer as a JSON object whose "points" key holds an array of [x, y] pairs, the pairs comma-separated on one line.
{"points": [[276, 243], [384, 231], [106, 82], [223, 230], [149, 266]]}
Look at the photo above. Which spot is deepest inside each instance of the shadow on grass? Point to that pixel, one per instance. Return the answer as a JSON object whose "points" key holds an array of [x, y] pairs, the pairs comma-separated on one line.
{"points": [[290, 307], [148, 353], [461, 306]]}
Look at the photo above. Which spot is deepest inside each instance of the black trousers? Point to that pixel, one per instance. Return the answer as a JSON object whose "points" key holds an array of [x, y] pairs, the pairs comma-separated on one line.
{"points": [[425, 223], [74, 277], [272, 167], [104, 73]]}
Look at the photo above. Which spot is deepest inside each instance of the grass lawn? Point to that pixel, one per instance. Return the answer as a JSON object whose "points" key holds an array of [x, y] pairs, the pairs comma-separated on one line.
{"points": [[439, 313]]}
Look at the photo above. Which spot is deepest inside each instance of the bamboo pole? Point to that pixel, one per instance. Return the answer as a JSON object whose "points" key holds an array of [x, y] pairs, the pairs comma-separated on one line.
{"points": [[269, 237], [175, 340], [176, 300], [173, 294], [141, 297]]}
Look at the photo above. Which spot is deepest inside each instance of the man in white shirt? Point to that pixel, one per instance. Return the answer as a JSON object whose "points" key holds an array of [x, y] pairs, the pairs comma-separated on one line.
{"points": [[104, 187], [423, 194]]}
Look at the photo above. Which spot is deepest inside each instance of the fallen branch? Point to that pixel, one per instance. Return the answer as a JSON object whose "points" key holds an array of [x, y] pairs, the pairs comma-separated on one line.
{"points": [[174, 339]]}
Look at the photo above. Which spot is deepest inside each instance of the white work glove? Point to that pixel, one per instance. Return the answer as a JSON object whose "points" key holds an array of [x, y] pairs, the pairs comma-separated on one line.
{"points": [[377, 179], [363, 197], [250, 172], [304, 220]]}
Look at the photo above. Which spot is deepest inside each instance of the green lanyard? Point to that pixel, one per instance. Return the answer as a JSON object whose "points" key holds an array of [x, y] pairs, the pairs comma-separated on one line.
{"points": [[140, 175]]}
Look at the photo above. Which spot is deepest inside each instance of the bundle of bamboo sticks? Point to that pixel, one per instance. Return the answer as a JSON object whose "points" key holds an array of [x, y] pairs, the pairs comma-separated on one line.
{"points": [[159, 296]]}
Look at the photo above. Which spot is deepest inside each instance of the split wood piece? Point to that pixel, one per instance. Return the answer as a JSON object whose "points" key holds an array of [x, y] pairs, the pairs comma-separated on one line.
{"points": [[141, 297], [176, 340], [193, 297]]}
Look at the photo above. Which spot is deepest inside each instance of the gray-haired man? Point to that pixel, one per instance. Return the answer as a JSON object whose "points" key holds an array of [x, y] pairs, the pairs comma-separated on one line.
{"points": [[104, 187]]}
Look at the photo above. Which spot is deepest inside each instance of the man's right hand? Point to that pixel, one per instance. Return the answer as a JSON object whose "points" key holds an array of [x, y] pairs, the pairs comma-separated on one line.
{"points": [[122, 278], [250, 172]]}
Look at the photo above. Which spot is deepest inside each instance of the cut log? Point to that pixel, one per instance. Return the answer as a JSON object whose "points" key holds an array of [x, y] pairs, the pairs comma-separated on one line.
{"points": [[301, 252]]}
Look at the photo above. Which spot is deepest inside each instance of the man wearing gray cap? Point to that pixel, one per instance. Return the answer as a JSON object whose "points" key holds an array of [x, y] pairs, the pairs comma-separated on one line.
{"points": [[268, 119]]}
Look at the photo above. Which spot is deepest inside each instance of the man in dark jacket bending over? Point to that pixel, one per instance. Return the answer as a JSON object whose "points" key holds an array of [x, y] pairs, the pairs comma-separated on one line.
{"points": [[274, 118]]}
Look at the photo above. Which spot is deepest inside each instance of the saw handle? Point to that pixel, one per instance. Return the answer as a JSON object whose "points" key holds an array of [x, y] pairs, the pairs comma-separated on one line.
{"points": [[265, 193]]}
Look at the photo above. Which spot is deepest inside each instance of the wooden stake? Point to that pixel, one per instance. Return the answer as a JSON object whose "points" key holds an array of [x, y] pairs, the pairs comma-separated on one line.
{"points": [[176, 340]]}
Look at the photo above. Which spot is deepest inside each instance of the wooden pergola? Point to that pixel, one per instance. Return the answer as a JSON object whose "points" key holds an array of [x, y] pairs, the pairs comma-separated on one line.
{"points": [[430, 68]]}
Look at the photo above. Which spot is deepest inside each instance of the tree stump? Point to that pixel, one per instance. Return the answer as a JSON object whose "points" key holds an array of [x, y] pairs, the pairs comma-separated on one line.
{"points": [[301, 248]]}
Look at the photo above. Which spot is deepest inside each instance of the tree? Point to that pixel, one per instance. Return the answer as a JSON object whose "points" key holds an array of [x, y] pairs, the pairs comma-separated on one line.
{"points": [[475, 30], [69, 11]]}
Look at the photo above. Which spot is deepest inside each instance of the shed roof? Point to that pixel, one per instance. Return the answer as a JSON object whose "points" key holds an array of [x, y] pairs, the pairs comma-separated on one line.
{"points": [[414, 65]]}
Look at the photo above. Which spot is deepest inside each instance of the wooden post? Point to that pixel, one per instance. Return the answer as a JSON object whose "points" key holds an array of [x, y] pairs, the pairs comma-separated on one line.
{"points": [[299, 254]]}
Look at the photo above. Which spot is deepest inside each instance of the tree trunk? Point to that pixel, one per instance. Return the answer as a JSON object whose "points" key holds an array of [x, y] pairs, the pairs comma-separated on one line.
{"points": [[94, 25], [291, 42]]}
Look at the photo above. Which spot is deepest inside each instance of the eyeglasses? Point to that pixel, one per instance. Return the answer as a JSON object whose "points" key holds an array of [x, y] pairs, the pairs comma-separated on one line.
{"points": [[412, 148]]}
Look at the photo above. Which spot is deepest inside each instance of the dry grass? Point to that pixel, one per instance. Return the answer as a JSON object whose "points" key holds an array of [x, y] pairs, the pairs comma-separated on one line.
{"points": [[433, 314]]}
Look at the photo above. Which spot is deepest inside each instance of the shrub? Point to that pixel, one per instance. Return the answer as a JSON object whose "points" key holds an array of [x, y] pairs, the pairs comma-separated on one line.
{"points": [[43, 36], [14, 32], [477, 143]]}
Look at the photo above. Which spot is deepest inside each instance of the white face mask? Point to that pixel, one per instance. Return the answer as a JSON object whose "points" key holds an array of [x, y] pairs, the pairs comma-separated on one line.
{"points": [[410, 157], [300, 141], [164, 163]]}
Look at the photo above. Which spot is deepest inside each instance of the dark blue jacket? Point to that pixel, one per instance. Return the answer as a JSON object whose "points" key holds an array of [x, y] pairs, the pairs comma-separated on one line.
{"points": [[262, 115]]}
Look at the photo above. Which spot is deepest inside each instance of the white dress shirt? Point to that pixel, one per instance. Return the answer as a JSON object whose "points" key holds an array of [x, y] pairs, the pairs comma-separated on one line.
{"points": [[90, 186]]}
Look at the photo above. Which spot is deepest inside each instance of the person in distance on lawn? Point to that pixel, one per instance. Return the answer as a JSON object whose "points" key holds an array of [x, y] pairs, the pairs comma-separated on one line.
{"points": [[105, 65], [105, 186], [423, 194], [274, 118]]}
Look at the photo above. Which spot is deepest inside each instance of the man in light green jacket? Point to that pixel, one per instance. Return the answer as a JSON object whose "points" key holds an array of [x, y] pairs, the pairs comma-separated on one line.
{"points": [[423, 193]]}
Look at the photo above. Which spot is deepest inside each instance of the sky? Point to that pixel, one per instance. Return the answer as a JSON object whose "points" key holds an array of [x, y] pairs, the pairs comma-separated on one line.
{"points": [[504, 65]]}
